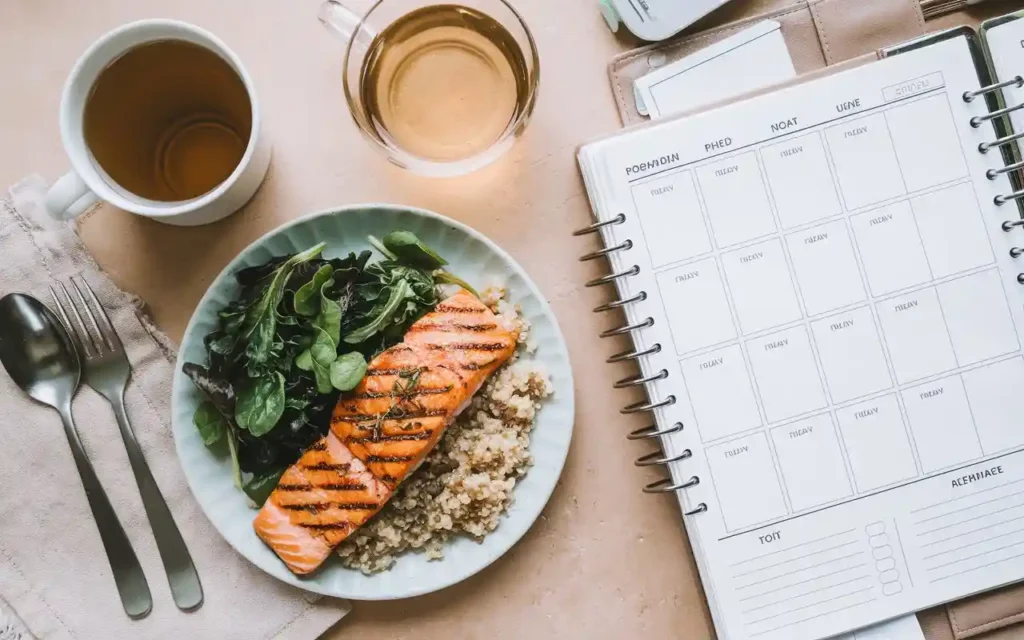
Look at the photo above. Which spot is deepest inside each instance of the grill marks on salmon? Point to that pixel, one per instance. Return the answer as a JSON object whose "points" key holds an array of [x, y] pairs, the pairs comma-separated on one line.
{"points": [[383, 430], [388, 422], [465, 336], [319, 501], [418, 387]]}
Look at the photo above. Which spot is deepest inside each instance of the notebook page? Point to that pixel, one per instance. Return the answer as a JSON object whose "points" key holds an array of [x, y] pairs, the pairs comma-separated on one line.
{"points": [[840, 320], [1005, 44]]}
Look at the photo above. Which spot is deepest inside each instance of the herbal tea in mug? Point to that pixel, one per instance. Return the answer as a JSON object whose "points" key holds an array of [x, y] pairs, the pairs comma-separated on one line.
{"points": [[444, 89]]}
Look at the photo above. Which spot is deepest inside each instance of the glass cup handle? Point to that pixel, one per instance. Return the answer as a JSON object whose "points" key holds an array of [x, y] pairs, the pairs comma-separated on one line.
{"points": [[344, 21]]}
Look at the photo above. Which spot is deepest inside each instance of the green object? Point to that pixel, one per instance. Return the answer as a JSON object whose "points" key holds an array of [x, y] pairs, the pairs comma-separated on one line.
{"points": [[260, 486], [444, 277], [329, 318], [323, 353], [307, 298], [211, 424], [260, 324], [408, 249], [382, 315], [261, 404], [347, 371]]}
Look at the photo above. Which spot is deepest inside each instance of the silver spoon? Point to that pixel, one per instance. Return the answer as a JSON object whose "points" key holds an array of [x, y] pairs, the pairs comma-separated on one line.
{"points": [[39, 356]]}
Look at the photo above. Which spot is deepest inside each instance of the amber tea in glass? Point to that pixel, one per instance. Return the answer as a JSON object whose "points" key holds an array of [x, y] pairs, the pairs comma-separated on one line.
{"points": [[443, 89]]}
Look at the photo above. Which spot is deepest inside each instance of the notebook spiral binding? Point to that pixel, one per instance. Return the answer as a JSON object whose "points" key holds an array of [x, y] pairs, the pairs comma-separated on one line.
{"points": [[999, 143], [658, 457]]}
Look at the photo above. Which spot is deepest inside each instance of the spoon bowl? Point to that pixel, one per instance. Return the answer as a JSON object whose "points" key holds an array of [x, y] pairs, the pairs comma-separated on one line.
{"points": [[41, 358], [36, 351]]}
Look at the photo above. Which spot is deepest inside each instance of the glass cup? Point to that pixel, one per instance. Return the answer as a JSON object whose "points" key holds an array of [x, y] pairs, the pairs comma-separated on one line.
{"points": [[441, 89]]}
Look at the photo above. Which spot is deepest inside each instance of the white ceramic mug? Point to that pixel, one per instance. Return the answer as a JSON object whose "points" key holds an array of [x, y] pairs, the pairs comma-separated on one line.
{"points": [[86, 183]]}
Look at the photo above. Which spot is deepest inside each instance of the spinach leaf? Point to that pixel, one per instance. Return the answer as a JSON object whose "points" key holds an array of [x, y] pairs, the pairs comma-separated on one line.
{"points": [[383, 316], [324, 353], [329, 318], [347, 371], [260, 486], [260, 325], [210, 422], [318, 358], [307, 298], [304, 360], [407, 248], [261, 404]]}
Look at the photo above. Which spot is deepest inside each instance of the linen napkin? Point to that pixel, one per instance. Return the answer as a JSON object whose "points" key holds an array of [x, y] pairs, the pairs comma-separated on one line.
{"points": [[53, 571]]}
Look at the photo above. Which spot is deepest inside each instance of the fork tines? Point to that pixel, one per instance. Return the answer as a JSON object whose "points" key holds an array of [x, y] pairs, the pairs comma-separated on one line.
{"points": [[101, 338]]}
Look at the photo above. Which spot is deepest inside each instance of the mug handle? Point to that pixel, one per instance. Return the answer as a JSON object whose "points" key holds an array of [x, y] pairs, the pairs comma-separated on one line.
{"points": [[344, 19], [69, 197]]}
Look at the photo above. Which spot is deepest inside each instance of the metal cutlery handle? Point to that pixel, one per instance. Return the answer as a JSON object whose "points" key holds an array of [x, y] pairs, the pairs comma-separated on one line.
{"points": [[128, 575], [181, 572]]}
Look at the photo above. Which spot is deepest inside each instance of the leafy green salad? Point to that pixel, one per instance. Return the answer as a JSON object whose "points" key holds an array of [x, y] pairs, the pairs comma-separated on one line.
{"points": [[301, 331]]}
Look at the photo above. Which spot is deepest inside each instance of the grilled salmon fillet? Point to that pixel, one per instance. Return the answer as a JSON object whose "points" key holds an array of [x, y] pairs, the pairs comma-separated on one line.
{"points": [[413, 391], [383, 429]]}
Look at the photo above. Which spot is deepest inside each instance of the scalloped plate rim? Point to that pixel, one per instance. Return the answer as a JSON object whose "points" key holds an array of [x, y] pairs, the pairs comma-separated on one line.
{"points": [[269, 563]]}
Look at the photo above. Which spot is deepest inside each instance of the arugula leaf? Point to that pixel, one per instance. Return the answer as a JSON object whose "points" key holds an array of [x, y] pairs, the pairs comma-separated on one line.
{"points": [[445, 277], [261, 404], [260, 323], [407, 248], [210, 422], [307, 298], [260, 486], [349, 269], [397, 296], [379, 246], [236, 464], [347, 371]]}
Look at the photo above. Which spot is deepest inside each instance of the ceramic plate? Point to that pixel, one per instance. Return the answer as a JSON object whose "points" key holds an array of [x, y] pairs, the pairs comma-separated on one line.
{"points": [[475, 258]]}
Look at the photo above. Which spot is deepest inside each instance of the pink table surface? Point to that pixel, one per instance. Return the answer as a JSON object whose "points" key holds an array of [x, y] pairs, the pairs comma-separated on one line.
{"points": [[604, 560]]}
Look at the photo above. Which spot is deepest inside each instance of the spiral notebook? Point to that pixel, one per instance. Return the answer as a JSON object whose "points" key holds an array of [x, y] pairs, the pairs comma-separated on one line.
{"points": [[823, 285]]}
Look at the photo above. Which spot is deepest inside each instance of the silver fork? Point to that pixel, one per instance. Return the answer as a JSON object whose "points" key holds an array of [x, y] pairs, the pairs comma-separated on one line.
{"points": [[105, 368]]}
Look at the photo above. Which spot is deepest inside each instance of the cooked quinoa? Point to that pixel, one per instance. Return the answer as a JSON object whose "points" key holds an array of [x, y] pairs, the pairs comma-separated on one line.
{"points": [[467, 482]]}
